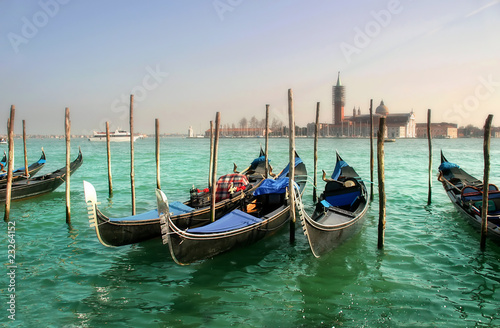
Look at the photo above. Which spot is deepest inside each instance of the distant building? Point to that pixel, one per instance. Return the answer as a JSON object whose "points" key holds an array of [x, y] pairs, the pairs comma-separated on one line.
{"points": [[239, 132], [399, 125], [338, 101], [438, 130], [190, 132]]}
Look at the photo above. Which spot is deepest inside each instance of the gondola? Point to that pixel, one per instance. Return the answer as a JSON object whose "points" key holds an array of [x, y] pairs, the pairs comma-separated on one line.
{"points": [[339, 212], [268, 211], [19, 173], [40, 185], [122, 231], [466, 193]]}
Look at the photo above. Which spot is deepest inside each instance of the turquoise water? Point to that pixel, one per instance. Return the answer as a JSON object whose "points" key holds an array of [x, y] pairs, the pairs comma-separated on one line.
{"points": [[430, 273]]}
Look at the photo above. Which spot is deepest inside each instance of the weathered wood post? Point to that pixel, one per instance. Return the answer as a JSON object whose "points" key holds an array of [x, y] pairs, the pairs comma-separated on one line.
{"points": [[157, 152], [291, 174], [26, 171], [132, 173], [108, 149], [211, 163], [67, 128], [381, 182], [486, 180], [429, 139], [266, 152], [371, 149], [8, 189], [316, 136], [214, 172]]}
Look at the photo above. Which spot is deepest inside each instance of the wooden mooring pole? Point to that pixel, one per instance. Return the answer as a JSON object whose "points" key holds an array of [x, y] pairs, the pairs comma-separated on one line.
{"points": [[316, 136], [67, 128], [108, 150], [214, 170], [8, 189], [132, 173], [371, 149], [291, 174], [157, 152], [266, 151], [26, 171], [211, 162], [381, 182], [486, 180], [429, 139]]}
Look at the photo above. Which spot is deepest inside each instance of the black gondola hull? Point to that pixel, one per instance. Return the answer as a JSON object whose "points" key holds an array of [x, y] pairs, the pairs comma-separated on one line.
{"points": [[454, 180], [37, 186], [331, 226], [186, 248], [122, 232]]}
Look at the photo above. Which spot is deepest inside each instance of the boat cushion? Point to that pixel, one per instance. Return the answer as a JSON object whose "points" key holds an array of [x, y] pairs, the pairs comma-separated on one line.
{"points": [[343, 199], [177, 208], [233, 220]]}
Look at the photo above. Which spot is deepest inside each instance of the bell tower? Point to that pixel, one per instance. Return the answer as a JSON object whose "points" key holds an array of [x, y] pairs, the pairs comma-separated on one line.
{"points": [[338, 102]]}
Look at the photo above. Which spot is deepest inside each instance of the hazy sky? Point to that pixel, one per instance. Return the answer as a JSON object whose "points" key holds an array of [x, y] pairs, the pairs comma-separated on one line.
{"points": [[186, 60]]}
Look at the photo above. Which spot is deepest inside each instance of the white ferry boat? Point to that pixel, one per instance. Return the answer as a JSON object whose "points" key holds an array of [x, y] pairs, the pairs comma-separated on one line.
{"points": [[118, 135]]}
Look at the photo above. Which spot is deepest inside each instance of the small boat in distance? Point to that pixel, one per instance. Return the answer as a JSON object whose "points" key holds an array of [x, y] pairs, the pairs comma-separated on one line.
{"points": [[3, 141], [19, 174], [42, 184], [118, 135]]}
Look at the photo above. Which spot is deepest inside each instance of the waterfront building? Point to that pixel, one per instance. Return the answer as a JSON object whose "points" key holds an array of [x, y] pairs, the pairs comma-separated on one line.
{"points": [[441, 130]]}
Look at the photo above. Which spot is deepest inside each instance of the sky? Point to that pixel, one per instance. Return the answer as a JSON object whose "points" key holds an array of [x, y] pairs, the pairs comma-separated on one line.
{"points": [[186, 60]]}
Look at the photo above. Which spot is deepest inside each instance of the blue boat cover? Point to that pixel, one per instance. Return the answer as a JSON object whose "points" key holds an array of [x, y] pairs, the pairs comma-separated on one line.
{"points": [[150, 215], [283, 174], [271, 186], [234, 220], [445, 167], [338, 169], [257, 161], [177, 208]]}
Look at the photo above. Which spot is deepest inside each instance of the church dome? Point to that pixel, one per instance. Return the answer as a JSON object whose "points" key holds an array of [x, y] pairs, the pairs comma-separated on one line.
{"points": [[382, 109]]}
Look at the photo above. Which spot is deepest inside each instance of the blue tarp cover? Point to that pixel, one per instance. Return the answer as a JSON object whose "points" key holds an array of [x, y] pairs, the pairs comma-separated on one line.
{"points": [[257, 161], [270, 186], [177, 208], [338, 169], [234, 220], [150, 215], [446, 166], [283, 174]]}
